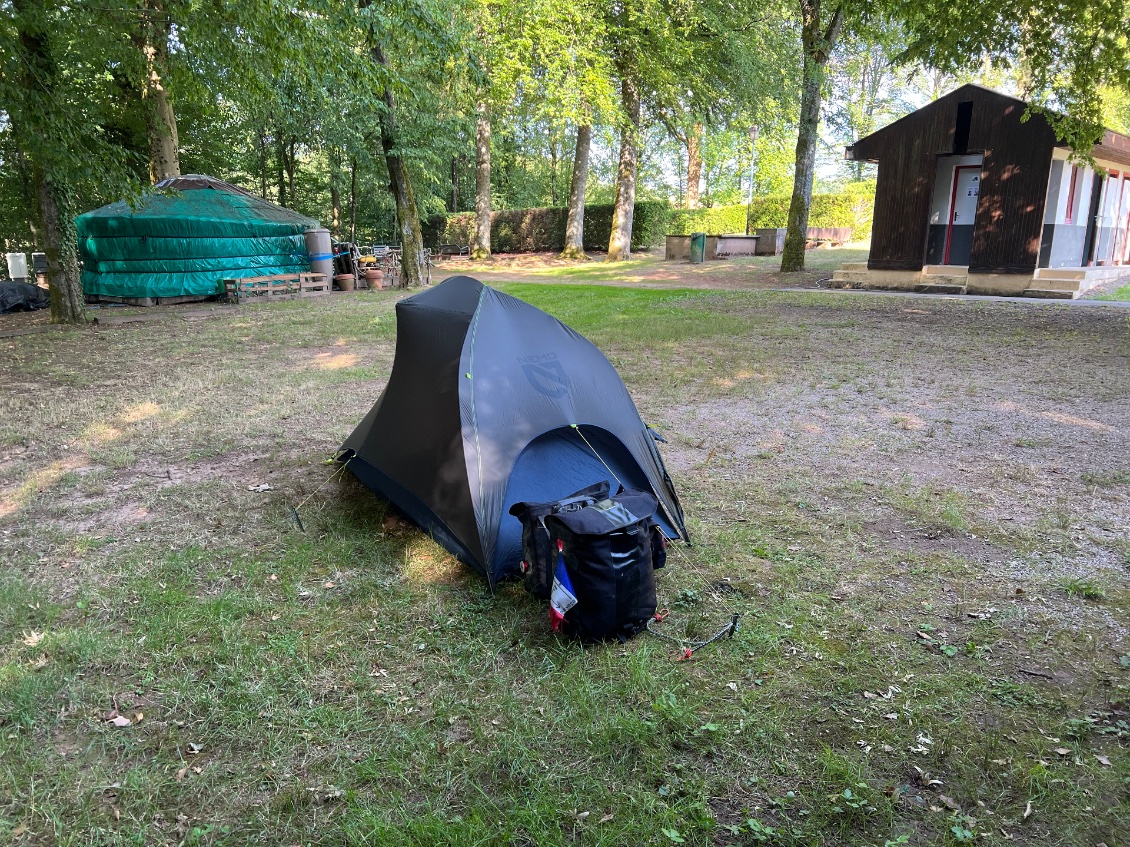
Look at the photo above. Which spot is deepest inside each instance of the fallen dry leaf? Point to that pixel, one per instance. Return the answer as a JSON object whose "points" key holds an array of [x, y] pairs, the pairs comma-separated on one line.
{"points": [[21, 829], [949, 803], [263, 486], [869, 695], [182, 773], [606, 819], [32, 638], [120, 721], [138, 717], [1103, 760], [1063, 751], [1028, 809]]}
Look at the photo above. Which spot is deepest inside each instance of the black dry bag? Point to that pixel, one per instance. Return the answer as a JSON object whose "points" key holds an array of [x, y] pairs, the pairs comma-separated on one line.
{"points": [[603, 577], [539, 552]]}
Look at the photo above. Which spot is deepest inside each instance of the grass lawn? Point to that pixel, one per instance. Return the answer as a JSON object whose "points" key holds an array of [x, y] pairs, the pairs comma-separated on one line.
{"points": [[920, 509], [1122, 293]]}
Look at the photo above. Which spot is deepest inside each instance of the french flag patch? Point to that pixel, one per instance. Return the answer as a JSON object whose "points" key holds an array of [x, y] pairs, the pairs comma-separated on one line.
{"points": [[561, 597]]}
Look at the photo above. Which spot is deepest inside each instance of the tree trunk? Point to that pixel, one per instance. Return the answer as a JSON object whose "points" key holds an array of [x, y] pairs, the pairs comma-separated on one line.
{"points": [[480, 249], [694, 165], [400, 184], [552, 167], [160, 120], [263, 164], [453, 201], [817, 49], [335, 212], [280, 157], [575, 223], [61, 250], [51, 197], [291, 167], [352, 201], [620, 240]]}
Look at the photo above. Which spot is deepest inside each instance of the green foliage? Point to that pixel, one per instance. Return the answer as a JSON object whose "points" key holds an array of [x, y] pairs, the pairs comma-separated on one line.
{"points": [[543, 230], [1069, 51], [715, 221], [1084, 588], [852, 207]]}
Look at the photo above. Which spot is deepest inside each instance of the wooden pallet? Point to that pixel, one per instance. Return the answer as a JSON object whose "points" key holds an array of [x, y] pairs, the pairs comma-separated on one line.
{"points": [[278, 285]]}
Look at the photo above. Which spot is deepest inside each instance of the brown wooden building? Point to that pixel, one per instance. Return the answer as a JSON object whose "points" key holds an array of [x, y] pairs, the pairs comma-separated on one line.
{"points": [[969, 195]]}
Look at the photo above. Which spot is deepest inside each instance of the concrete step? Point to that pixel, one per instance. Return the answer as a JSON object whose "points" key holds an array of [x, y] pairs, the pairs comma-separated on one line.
{"points": [[940, 288], [945, 279], [1057, 284], [851, 276], [853, 266], [1051, 293], [1087, 276], [946, 270], [1060, 273]]}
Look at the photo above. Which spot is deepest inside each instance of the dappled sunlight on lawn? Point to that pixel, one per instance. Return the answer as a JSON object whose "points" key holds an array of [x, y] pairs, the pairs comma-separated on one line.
{"points": [[99, 433], [140, 412], [739, 377], [1057, 417], [426, 562], [335, 361], [15, 497]]}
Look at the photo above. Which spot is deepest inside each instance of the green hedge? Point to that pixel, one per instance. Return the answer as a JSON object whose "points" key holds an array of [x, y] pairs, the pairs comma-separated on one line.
{"points": [[852, 207], [718, 220], [543, 230]]}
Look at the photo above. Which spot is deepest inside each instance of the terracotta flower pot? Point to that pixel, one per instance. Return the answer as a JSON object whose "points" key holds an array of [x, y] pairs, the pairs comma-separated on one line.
{"points": [[344, 281]]}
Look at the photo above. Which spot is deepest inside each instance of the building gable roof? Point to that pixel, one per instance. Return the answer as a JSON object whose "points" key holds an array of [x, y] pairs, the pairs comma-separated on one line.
{"points": [[1113, 146]]}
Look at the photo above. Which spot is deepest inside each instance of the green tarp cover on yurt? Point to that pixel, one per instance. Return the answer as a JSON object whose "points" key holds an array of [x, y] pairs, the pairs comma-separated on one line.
{"points": [[187, 241]]}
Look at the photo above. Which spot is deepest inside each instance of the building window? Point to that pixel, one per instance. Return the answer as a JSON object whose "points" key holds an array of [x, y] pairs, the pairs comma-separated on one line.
{"points": [[1069, 217]]}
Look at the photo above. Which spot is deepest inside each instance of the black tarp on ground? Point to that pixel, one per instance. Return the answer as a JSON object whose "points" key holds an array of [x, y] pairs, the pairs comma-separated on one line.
{"points": [[492, 402], [22, 297]]}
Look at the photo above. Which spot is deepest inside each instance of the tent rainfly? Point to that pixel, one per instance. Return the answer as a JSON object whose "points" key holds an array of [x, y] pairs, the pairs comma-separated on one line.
{"points": [[492, 402], [186, 239]]}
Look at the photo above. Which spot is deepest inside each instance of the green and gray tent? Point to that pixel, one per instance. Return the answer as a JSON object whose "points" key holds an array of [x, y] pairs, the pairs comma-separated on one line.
{"points": [[184, 240]]}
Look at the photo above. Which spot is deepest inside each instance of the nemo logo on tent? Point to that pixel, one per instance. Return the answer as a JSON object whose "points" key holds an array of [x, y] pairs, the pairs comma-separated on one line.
{"points": [[547, 378]]}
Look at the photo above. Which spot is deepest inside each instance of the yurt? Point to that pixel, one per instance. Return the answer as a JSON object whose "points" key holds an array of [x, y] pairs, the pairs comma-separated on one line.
{"points": [[185, 239]]}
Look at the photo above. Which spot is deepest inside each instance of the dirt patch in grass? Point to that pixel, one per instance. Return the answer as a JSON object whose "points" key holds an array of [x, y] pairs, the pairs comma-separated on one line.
{"points": [[920, 513]]}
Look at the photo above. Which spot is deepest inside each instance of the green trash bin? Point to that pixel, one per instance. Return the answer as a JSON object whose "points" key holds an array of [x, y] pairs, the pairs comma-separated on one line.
{"points": [[698, 247]]}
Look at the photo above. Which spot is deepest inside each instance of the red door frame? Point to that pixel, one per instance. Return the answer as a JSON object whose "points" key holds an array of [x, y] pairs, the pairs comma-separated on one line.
{"points": [[1124, 183], [953, 202]]}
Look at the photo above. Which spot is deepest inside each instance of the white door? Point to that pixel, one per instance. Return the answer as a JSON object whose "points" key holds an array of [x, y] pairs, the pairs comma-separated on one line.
{"points": [[963, 211], [966, 185]]}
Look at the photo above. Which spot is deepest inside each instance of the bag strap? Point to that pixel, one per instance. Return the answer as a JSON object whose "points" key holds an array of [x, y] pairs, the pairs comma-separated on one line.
{"points": [[572, 504]]}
